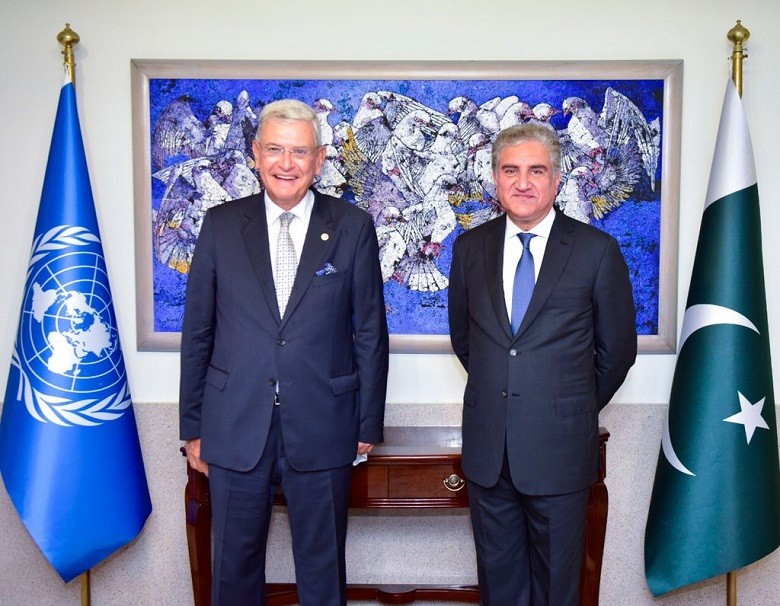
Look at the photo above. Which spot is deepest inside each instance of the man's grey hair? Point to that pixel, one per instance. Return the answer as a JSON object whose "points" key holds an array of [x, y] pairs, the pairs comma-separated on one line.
{"points": [[521, 133], [289, 109]]}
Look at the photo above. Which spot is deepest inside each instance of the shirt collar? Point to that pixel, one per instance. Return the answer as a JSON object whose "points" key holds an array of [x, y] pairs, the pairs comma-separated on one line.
{"points": [[302, 210], [541, 229]]}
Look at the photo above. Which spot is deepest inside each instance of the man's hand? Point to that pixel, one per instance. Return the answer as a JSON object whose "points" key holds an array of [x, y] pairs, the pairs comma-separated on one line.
{"points": [[363, 448], [192, 448]]}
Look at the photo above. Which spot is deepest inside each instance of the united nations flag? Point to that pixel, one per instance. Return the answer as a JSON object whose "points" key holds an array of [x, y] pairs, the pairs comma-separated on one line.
{"points": [[69, 451]]}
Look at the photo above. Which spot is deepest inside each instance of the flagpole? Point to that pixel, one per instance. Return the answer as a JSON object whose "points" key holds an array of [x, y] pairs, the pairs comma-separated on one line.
{"points": [[68, 38], [84, 580], [737, 35]]}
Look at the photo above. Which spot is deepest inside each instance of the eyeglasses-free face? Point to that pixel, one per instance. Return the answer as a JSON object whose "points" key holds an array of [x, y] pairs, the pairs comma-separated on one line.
{"points": [[287, 159], [526, 183]]}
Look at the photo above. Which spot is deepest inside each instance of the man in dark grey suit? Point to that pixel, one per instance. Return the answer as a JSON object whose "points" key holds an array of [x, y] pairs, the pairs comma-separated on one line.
{"points": [[283, 363], [542, 318]]}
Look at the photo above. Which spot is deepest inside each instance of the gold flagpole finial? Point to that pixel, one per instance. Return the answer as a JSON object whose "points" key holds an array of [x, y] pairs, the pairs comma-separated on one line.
{"points": [[738, 36], [68, 38]]}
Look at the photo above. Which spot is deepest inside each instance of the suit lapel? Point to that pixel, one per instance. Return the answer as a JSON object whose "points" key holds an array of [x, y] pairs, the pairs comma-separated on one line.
{"points": [[556, 255], [254, 231], [494, 262], [319, 240]]}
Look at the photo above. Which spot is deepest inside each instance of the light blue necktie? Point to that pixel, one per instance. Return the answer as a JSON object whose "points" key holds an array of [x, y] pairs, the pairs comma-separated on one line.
{"points": [[523, 286]]}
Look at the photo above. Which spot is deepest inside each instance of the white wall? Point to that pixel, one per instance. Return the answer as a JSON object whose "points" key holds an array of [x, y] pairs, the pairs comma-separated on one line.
{"points": [[113, 32]]}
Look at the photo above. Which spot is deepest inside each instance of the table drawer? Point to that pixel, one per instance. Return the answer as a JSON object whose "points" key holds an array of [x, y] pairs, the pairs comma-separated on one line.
{"points": [[408, 485], [425, 482]]}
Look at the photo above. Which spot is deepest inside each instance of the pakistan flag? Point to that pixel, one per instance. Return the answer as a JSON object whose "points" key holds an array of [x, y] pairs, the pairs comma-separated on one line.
{"points": [[716, 498]]}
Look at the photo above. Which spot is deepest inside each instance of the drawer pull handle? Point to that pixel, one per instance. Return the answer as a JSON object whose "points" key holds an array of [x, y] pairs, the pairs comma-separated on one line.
{"points": [[454, 483]]}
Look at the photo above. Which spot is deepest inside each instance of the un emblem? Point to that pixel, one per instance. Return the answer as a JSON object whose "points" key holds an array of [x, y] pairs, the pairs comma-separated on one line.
{"points": [[67, 350]]}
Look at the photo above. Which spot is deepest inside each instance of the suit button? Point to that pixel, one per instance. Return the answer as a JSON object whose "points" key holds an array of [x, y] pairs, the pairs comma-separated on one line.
{"points": [[513, 352], [272, 382], [503, 393], [281, 342]]}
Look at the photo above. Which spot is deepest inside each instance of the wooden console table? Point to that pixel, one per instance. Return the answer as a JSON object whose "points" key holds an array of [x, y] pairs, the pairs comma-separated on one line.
{"points": [[416, 467]]}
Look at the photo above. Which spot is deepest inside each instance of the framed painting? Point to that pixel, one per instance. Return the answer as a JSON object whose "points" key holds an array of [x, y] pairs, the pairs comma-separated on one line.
{"points": [[409, 142]]}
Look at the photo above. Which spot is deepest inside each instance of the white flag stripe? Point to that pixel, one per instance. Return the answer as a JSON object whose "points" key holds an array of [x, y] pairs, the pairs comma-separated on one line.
{"points": [[733, 168]]}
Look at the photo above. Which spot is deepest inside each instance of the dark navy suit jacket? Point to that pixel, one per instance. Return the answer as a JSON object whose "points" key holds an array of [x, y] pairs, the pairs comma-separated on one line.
{"points": [[328, 355], [539, 392]]}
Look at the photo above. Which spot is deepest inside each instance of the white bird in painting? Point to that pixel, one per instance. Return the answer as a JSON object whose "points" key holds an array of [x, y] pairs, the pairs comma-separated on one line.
{"points": [[401, 158], [517, 113], [324, 108]]}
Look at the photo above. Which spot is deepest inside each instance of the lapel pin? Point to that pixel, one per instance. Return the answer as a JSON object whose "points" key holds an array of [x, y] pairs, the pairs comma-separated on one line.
{"points": [[324, 237]]}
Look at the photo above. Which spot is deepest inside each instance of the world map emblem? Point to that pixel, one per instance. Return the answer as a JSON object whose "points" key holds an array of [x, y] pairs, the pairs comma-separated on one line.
{"points": [[72, 372]]}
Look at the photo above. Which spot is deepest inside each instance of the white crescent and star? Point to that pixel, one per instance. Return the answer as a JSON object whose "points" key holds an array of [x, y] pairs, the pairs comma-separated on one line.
{"points": [[696, 318]]}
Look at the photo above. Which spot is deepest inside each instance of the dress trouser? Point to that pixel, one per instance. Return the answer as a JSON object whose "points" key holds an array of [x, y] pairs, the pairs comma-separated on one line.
{"points": [[529, 547], [317, 507]]}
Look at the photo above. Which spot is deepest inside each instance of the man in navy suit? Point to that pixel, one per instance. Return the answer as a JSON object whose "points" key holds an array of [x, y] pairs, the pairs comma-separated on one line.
{"points": [[283, 363], [534, 390]]}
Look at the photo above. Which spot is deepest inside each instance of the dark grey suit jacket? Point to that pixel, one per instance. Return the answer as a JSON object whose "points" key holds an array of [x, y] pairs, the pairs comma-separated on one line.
{"points": [[328, 355], [540, 391]]}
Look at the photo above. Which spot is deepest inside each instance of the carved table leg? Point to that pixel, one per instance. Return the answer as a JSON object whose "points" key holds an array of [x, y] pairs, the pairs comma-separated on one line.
{"points": [[596, 532], [197, 506]]}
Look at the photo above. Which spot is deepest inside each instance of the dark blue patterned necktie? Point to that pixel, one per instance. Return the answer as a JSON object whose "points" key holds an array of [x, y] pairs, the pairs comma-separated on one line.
{"points": [[523, 286]]}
